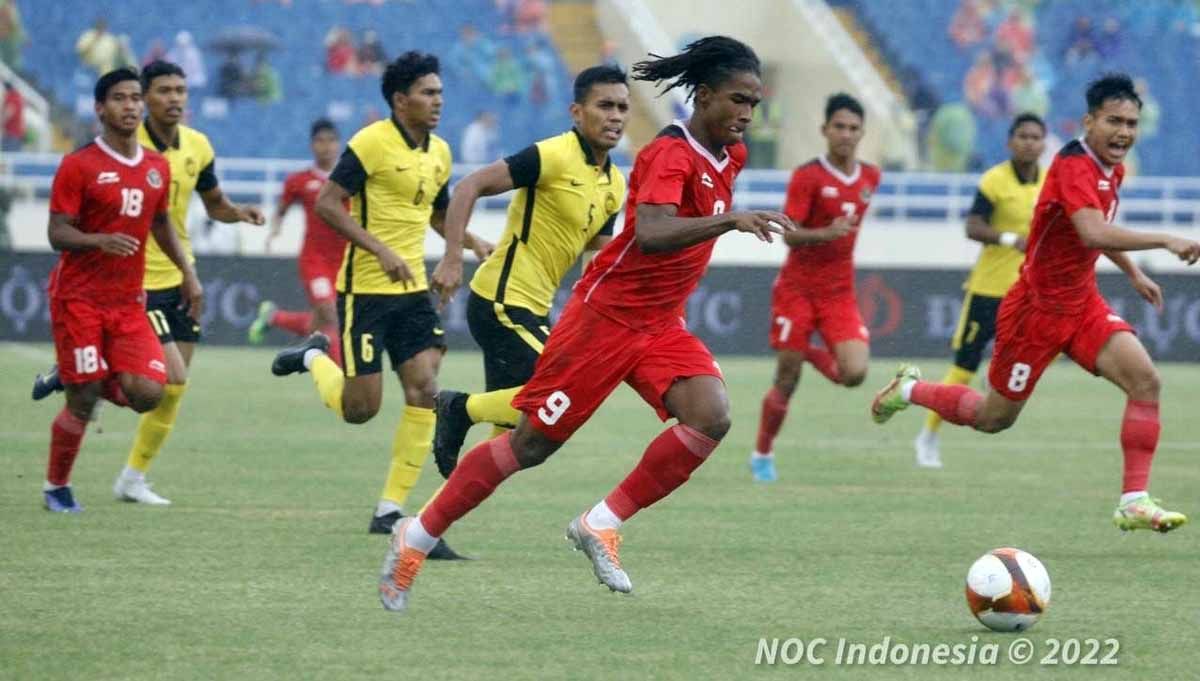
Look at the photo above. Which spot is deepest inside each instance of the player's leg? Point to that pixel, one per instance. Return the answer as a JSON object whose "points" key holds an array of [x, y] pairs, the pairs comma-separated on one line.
{"points": [[66, 437], [841, 327], [788, 366], [413, 439], [325, 320]]}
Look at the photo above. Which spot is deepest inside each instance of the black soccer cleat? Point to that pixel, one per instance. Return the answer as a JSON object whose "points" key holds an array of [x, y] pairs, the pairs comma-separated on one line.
{"points": [[46, 384], [383, 524], [290, 360], [453, 422], [443, 552]]}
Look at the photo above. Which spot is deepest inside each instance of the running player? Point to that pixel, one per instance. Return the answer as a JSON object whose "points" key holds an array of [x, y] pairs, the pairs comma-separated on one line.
{"points": [[827, 198], [567, 199], [106, 198], [320, 256], [623, 324], [999, 219], [396, 173], [1056, 306]]}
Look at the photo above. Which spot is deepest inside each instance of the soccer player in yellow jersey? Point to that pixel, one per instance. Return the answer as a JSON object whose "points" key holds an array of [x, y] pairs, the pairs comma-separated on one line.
{"points": [[567, 199], [999, 219], [395, 172]]}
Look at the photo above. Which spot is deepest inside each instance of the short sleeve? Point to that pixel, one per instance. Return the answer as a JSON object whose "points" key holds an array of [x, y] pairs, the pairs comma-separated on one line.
{"points": [[290, 195], [207, 180], [800, 189], [664, 178], [609, 224], [66, 193], [525, 166], [164, 198], [442, 200], [1077, 185], [982, 206], [349, 172]]}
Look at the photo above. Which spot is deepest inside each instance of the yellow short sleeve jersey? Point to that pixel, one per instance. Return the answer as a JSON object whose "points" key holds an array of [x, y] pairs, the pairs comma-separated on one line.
{"points": [[1007, 204], [193, 168], [563, 200], [395, 185]]}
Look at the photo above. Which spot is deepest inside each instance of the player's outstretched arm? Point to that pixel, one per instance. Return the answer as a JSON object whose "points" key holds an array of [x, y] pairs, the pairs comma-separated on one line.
{"points": [[1144, 285], [659, 230], [65, 236], [840, 227], [220, 208], [332, 209], [191, 291], [1096, 232]]}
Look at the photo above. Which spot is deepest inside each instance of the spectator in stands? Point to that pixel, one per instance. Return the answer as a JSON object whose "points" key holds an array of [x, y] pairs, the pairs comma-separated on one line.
{"points": [[157, 52], [231, 79], [951, 138], [1081, 42], [265, 81], [1015, 35], [608, 55], [967, 27], [983, 89], [13, 119], [1108, 42], [126, 56], [543, 70], [470, 58], [98, 49], [1030, 95], [185, 53], [371, 56], [340, 55], [508, 78], [531, 16], [12, 34], [1151, 111], [479, 139]]}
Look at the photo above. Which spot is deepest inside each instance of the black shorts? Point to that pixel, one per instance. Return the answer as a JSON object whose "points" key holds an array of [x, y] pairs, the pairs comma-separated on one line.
{"points": [[976, 328], [170, 322], [511, 338], [403, 325]]}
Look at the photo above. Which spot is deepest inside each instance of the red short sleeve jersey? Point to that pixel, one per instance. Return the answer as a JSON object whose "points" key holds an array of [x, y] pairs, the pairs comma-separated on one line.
{"points": [[320, 241], [105, 192], [648, 291], [1059, 270], [817, 194]]}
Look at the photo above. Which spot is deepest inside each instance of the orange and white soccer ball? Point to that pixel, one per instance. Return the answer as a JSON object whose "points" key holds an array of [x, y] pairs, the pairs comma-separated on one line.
{"points": [[1008, 589]]}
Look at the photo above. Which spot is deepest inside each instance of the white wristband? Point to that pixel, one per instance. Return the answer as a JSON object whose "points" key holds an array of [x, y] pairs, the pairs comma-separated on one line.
{"points": [[1008, 239]]}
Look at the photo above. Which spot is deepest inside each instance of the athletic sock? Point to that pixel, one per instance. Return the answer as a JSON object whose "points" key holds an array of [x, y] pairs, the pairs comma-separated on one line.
{"points": [[774, 411], [328, 377], [335, 343], [601, 517], [154, 427], [824, 362], [477, 475], [955, 376], [958, 404], [410, 448], [667, 464], [416, 536], [298, 323], [1140, 429], [66, 435], [494, 407]]}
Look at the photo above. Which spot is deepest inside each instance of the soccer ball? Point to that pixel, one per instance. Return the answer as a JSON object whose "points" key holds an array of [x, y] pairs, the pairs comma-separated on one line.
{"points": [[1008, 589]]}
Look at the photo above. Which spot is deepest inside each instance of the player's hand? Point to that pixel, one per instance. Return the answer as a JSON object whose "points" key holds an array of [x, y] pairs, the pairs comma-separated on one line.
{"points": [[192, 295], [1149, 291], [482, 248], [252, 214], [117, 243], [1186, 249], [840, 227], [395, 268], [447, 277], [763, 223], [1022, 244]]}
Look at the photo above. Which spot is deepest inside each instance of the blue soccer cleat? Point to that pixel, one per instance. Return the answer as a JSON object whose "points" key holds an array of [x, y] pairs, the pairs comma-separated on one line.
{"points": [[763, 468], [46, 384], [60, 500]]}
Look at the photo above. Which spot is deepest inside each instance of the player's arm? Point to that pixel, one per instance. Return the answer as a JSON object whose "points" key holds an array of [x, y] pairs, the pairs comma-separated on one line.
{"points": [[798, 207], [1095, 232], [217, 204], [1144, 285], [191, 291], [65, 236], [979, 226], [481, 247], [599, 241], [347, 179], [660, 230], [285, 202]]}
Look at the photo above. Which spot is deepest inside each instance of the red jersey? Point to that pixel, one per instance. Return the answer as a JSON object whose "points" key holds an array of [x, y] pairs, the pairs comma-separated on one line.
{"points": [[648, 291], [106, 192], [320, 241], [1059, 270], [817, 194]]}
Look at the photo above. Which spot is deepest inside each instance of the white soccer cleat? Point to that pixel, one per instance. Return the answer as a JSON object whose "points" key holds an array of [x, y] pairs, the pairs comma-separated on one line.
{"points": [[137, 490], [601, 547], [929, 449]]}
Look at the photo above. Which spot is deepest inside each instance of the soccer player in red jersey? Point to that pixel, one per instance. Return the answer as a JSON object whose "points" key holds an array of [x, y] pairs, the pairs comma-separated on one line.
{"points": [[624, 324], [106, 198], [826, 198], [1056, 307], [321, 253]]}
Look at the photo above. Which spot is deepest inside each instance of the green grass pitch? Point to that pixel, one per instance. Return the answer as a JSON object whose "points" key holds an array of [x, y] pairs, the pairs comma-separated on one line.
{"points": [[262, 568]]}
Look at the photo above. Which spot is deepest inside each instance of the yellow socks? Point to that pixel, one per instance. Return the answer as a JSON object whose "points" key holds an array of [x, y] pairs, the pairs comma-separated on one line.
{"points": [[154, 427], [414, 440], [330, 382], [494, 407], [955, 376]]}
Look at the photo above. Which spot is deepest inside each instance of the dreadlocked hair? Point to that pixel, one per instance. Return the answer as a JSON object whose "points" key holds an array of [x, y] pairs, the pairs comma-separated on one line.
{"points": [[708, 61]]}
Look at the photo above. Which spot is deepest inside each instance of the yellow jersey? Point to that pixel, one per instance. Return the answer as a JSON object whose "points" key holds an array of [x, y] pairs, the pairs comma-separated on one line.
{"points": [[193, 168], [563, 200], [1006, 203], [395, 185]]}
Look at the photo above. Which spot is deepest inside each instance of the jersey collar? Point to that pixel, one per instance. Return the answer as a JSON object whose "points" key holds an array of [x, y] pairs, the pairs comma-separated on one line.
{"points": [[159, 144], [589, 155], [408, 140], [1106, 169], [842, 177], [125, 160], [1013, 166], [700, 149]]}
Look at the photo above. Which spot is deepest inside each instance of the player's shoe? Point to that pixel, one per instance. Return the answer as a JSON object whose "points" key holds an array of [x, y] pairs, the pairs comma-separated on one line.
{"points": [[763, 468], [46, 384], [1145, 513], [400, 567], [601, 546], [258, 328], [290, 360], [383, 524], [929, 449], [453, 422], [889, 400], [60, 500], [137, 491]]}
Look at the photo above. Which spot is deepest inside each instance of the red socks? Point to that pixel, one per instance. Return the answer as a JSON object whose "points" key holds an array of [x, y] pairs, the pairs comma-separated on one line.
{"points": [[774, 410], [824, 362], [66, 434], [478, 474], [957, 404], [667, 464], [299, 323], [335, 344], [1139, 438]]}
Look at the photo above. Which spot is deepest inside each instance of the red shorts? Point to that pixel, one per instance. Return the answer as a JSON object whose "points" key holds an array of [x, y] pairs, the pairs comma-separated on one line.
{"points": [[589, 354], [92, 340], [795, 316], [1028, 339], [318, 275]]}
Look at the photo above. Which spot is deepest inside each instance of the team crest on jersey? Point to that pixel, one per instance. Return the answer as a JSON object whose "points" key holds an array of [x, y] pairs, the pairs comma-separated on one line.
{"points": [[610, 203], [829, 192], [706, 180], [154, 179], [189, 166], [865, 195], [313, 185], [1104, 185]]}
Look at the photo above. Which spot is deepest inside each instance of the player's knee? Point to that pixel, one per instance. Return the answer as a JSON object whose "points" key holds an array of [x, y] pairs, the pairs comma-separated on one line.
{"points": [[422, 395], [713, 421], [358, 412], [995, 423], [1145, 385], [143, 400], [853, 376], [530, 447]]}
